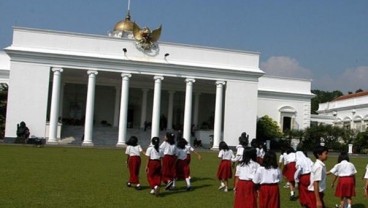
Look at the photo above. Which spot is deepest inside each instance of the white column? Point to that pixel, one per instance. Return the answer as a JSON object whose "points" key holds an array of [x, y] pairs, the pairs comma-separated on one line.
{"points": [[218, 114], [123, 118], [55, 103], [155, 128], [170, 111], [61, 100], [196, 108], [188, 109], [144, 107], [117, 102], [90, 105]]}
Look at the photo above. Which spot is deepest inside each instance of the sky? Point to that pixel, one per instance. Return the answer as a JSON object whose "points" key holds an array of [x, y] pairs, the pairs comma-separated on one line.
{"points": [[324, 41]]}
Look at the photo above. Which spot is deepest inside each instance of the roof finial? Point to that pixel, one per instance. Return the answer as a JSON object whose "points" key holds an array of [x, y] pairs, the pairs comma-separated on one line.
{"points": [[128, 5]]}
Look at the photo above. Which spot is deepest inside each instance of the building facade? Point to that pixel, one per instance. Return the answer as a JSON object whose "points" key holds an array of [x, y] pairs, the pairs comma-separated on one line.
{"points": [[58, 79]]}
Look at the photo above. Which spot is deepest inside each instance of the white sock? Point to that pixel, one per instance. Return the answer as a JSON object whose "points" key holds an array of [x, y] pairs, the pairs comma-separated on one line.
{"points": [[174, 182], [222, 183], [188, 181], [292, 193]]}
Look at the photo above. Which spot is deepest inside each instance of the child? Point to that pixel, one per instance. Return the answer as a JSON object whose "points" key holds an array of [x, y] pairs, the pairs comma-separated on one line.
{"points": [[133, 151], [182, 165], [366, 182], [302, 176], [243, 143], [318, 178], [224, 172], [345, 172], [282, 163], [268, 177], [245, 189], [168, 161], [189, 149], [260, 153], [153, 167], [289, 171]]}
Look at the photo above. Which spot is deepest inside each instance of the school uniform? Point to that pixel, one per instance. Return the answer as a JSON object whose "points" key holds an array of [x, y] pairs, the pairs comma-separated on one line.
{"points": [[260, 155], [366, 174], [289, 168], [269, 194], [318, 173], [168, 161], [154, 167], [224, 170], [303, 166], [134, 162], [188, 150], [345, 172], [182, 166], [239, 154], [246, 193], [282, 161]]}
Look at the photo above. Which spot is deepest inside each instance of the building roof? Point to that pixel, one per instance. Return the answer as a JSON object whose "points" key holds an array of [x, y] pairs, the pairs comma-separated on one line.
{"points": [[354, 95]]}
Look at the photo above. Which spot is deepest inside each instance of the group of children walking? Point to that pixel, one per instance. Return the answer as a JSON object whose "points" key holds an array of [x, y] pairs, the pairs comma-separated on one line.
{"points": [[257, 183], [166, 163]]}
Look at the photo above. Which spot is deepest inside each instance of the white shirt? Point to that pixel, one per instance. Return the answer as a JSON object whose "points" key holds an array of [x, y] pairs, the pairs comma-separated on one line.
{"points": [[303, 165], [133, 150], [181, 154], [239, 154], [282, 158], [291, 157], [226, 155], [168, 149], [366, 173], [152, 153], [260, 152], [247, 172], [188, 149], [267, 176], [344, 168], [318, 173]]}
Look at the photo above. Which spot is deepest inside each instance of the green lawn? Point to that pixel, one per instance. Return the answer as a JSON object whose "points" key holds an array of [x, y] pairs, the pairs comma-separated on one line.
{"points": [[96, 177]]}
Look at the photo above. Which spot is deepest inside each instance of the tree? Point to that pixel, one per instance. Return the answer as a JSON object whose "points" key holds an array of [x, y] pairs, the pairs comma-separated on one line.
{"points": [[267, 129], [3, 104]]}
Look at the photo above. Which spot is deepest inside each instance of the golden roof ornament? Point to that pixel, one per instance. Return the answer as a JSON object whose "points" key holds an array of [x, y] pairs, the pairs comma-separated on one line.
{"points": [[145, 38]]}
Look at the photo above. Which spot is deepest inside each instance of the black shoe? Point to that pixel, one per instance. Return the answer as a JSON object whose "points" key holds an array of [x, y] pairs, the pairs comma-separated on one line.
{"points": [[189, 188], [168, 185], [128, 184], [138, 188], [293, 198]]}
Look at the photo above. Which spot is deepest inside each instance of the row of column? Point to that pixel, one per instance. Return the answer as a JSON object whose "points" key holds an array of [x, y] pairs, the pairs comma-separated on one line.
{"points": [[123, 115]]}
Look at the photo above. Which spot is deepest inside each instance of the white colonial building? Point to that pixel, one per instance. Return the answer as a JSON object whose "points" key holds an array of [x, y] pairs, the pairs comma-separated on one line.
{"points": [[58, 80], [348, 111]]}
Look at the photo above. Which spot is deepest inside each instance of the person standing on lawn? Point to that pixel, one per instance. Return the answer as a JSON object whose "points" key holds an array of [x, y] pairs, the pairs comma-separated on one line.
{"points": [[133, 150], [224, 171], [344, 172], [366, 182], [245, 189], [302, 176], [318, 178], [182, 165], [153, 167], [268, 177], [290, 170], [168, 148]]}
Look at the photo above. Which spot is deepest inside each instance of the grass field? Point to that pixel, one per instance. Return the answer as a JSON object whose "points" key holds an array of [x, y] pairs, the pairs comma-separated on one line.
{"points": [[96, 177]]}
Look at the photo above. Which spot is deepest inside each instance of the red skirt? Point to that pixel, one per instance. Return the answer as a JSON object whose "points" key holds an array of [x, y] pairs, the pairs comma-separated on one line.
{"points": [[245, 195], [345, 187], [134, 164], [224, 171], [168, 168], [154, 173], [269, 196], [304, 182], [289, 172], [312, 203], [182, 169]]}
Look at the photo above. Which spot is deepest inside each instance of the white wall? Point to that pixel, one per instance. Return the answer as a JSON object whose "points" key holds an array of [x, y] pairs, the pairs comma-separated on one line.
{"points": [[27, 98], [240, 110]]}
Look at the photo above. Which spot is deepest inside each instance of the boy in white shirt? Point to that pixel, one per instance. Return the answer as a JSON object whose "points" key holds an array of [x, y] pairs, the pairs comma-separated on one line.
{"points": [[318, 178], [366, 182]]}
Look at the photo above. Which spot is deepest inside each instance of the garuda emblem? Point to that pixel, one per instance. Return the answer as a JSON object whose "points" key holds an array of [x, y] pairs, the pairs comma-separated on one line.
{"points": [[146, 39]]}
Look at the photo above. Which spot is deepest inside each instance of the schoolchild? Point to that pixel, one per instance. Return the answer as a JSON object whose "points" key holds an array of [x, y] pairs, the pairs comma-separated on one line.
{"points": [[243, 143], [224, 171], [168, 148], [182, 165], [245, 189], [282, 163], [268, 177], [153, 167], [289, 171], [302, 176], [344, 172], [366, 182], [318, 178], [133, 151], [260, 153], [189, 149]]}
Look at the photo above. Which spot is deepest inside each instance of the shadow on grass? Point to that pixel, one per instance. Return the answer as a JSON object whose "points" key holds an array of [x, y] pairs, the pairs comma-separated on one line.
{"points": [[195, 179], [358, 206], [179, 190]]}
